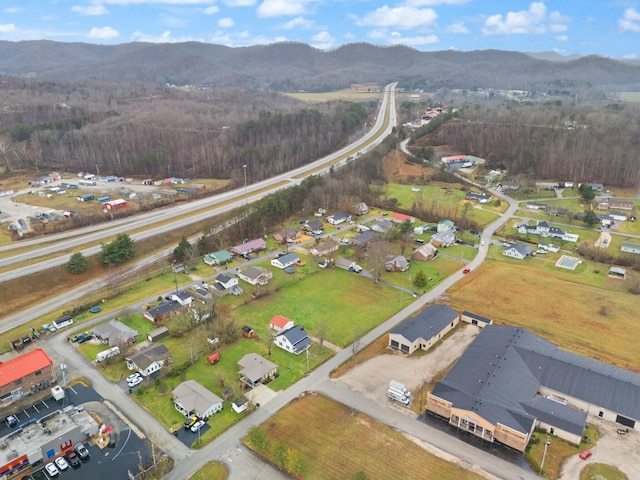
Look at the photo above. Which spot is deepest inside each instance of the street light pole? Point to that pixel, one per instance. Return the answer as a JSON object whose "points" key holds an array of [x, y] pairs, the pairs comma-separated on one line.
{"points": [[544, 455], [246, 199]]}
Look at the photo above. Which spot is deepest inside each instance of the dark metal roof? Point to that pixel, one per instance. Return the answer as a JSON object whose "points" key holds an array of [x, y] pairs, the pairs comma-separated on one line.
{"points": [[427, 323], [486, 320], [501, 371], [297, 336]]}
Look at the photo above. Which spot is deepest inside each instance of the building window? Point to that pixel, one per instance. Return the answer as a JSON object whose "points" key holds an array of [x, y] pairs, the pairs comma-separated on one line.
{"points": [[18, 382], [39, 372]]}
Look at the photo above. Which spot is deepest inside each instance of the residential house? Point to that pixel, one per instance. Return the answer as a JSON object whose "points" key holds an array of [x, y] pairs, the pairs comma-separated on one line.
{"points": [[423, 330], [25, 374], [425, 252], [286, 236], [361, 208], [254, 370], [477, 197], [546, 230], [313, 225], [509, 382], [510, 185], [549, 247], [618, 216], [401, 218], [294, 340], [535, 205], [596, 187], [249, 247], [443, 239], [183, 297], [364, 239], [605, 219], [382, 226], [149, 360], [396, 263], [628, 247], [224, 282], [218, 258], [285, 260], [557, 212], [474, 319], [518, 250], [191, 398], [162, 312], [444, 225], [255, 275], [279, 323], [325, 248], [338, 218], [620, 204], [202, 293], [115, 333], [547, 185]]}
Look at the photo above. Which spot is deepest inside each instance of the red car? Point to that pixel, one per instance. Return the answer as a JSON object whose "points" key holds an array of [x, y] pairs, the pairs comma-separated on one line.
{"points": [[466, 270], [586, 454]]}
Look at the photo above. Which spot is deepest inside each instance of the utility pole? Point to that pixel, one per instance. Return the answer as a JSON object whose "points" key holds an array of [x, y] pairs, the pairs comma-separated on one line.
{"points": [[544, 455], [246, 198]]}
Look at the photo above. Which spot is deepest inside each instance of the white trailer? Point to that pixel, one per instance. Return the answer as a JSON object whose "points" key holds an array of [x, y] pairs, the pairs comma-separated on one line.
{"points": [[112, 352], [397, 397], [399, 387]]}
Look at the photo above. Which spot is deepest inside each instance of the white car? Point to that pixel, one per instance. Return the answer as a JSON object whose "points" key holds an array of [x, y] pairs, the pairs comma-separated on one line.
{"points": [[133, 377], [135, 382], [61, 463], [197, 426], [52, 470]]}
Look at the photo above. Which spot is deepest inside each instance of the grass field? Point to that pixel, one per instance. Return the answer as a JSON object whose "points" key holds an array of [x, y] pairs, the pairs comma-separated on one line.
{"points": [[557, 451], [632, 97], [362, 450], [581, 311], [211, 471], [600, 471], [345, 95]]}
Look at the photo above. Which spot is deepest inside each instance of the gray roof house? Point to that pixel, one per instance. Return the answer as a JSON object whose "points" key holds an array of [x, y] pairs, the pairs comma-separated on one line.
{"points": [[423, 330], [285, 260], [294, 340], [115, 333], [397, 263], [629, 247], [255, 369], [255, 275], [382, 226], [444, 238], [510, 381], [149, 360], [518, 250], [191, 398], [364, 239]]}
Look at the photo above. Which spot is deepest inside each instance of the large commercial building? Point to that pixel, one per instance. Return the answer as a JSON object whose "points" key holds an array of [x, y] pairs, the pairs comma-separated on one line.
{"points": [[28, 373]]}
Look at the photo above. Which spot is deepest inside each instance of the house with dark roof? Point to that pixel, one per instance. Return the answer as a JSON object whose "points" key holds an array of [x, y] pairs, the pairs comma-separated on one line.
{"points": [[183, 297], [364, 239], [510, 381], [256, 275], [313, 225], [475, 319], [149, 360], [162, 311], [288, 235], [518, 250], [285, 260], [294, 340], [338, 218], [477, 197], [115, 333], [423, 330], [224, 282], [628, 247]]}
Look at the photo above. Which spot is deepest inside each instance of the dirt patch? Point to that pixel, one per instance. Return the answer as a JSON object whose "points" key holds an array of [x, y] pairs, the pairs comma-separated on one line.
{"points": [[398, 169], [371, 378]]}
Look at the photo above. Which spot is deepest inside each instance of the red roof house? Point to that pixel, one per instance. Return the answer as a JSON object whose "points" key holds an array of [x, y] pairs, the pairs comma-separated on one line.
{"points": [[401, 217], [27, 373], [280, 323]]}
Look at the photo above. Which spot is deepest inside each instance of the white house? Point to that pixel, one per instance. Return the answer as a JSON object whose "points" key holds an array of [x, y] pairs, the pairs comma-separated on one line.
{"points": [[629, 247], [339, 218], [183, 297], [518, 250], [150, 360], [285, 260], [294, 340], [191, 398], [226, 281], [255, 275]]}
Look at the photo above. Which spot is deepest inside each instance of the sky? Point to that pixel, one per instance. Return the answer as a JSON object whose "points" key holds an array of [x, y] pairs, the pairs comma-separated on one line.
{"points": [[584, 27]]}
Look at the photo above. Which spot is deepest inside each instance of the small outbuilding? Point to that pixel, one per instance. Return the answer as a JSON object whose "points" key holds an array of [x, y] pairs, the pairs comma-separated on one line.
{"points": [[158, 334]]}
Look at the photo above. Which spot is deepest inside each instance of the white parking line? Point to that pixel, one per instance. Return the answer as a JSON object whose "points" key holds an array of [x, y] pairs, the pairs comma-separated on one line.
{"points": [[124, 445]]}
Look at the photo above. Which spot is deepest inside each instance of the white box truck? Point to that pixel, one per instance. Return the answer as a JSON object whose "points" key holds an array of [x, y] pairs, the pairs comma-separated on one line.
{"points": [[112, 352], [399, 387], [398, 397]]}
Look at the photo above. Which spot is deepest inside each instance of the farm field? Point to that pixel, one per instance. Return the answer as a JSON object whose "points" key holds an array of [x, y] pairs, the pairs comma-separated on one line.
{"points": [[581, 311], [362, 450], [344, 95]]}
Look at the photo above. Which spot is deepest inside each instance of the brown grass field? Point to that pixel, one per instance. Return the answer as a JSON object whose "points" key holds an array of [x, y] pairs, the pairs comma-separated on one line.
{"points": [[361, 450], [567, 308]]}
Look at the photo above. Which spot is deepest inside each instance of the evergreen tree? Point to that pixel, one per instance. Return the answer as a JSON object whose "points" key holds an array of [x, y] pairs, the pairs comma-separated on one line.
{"points": [[78, 263]]}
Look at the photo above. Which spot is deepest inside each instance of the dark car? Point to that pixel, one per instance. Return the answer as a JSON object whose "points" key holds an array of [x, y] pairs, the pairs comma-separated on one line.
{"points": [[85, 337], [73, 459]]}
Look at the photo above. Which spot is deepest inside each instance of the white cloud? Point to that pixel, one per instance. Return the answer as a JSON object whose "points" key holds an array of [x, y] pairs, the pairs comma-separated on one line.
{"points": [[323, 40], [90, 10], [431, 3], [631, 21], [13, 10], [7, 28], [532, 21], [240, 3], [457, 28], [225, 22], [213, 9], [383, 35], [562, 38], [298, 22], [156, 2], [242, 39], [400, 17], [277, 8], [103, 33]]}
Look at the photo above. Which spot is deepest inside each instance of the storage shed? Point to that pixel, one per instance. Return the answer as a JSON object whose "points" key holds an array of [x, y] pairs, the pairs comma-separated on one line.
{"points": [[158, 334]]}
